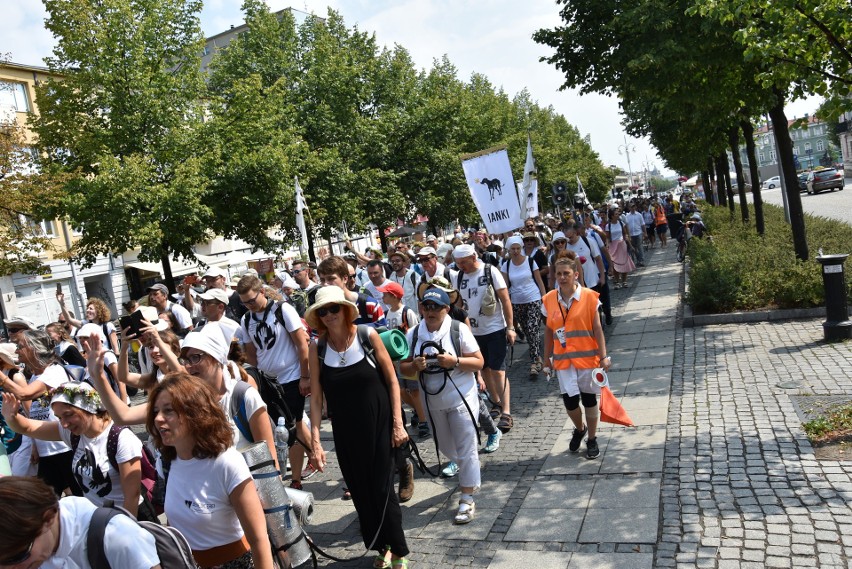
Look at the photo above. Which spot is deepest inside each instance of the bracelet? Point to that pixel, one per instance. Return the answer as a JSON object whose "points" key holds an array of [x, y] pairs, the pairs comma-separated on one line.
{"points": [[304, 377], [458, 361], [510, 328], [606, 358]]}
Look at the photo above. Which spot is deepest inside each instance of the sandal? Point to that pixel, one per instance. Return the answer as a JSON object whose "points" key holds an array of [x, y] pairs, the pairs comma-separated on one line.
{"points": [[466, 512], [506, 423], [346, 494], [381, 561], [495, 412], [401, 563]]}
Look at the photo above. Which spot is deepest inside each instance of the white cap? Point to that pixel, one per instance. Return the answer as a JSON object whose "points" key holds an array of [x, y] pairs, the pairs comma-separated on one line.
{"points": [[424, 251], [90, 330], [214, 272], [215, 294], [514, 240], [462, 251]]}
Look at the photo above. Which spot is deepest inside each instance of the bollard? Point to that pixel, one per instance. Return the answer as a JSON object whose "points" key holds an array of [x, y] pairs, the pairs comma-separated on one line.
{"points": [[837, 325]]}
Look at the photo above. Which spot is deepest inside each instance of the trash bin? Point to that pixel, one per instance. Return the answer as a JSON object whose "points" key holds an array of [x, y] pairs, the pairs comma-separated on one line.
{"points": [[837, 325]]}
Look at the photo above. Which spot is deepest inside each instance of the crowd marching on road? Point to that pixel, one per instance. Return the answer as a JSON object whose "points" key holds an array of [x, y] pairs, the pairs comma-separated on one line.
{"points": [[309, 346]]}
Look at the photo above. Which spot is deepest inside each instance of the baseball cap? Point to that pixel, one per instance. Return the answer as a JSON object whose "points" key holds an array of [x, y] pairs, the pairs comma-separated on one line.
{"points": [[214, 272], [216, 294], [393, 288], [431, 238], [437, 296], [426, 251], [159, 287]]}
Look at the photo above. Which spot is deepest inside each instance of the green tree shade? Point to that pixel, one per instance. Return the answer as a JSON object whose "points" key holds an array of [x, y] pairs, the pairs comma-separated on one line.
{"points": [[125, 118]]}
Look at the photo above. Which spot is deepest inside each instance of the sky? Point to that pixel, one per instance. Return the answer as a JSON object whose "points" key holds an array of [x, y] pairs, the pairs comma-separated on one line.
{"points": [[491, 37]]}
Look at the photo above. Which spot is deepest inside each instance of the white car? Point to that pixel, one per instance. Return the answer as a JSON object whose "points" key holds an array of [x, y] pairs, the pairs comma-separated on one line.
{"points": [[771, 183]]}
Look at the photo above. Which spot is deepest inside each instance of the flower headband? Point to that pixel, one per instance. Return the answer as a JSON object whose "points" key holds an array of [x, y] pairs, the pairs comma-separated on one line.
{"points": [[80, 395]]}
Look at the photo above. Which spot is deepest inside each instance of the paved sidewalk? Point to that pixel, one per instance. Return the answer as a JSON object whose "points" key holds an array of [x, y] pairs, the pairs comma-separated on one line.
{"points": [[717, 473]]}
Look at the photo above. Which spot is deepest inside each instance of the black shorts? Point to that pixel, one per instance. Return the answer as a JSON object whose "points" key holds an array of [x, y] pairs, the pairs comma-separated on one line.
{"points": [[295, 401], [493, 348], [662, 228]]}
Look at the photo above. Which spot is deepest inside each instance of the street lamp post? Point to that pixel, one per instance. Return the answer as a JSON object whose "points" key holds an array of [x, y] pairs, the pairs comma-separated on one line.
{"points": [[628, 147]]}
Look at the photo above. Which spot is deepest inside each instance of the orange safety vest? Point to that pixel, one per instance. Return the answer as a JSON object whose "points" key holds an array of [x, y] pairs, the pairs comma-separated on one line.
{"points": [[581, 346], [659, 216]]}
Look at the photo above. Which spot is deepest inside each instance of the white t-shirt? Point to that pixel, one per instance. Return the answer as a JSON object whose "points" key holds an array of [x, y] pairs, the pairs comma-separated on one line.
{"points": [[52, 377], [126, 545], [394, 317], [276, 353], [592, 252], [230, 328], [198, 499], [91, 467], [181, 315], [524, 289], [253, 402], [472, 289], [635, 223], [409, 287], [615, 232], [448, 397]]}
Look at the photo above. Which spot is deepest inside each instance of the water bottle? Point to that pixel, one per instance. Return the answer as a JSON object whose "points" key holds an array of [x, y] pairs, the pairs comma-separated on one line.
{"points": [[281, 438]]}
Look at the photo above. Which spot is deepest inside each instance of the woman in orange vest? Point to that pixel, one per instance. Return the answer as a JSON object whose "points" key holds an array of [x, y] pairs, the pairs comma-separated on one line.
{"points": [[574, 345]]}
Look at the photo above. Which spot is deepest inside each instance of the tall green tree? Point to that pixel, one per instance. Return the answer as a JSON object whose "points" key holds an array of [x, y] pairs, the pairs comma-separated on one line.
{"points": [[124, 119]]}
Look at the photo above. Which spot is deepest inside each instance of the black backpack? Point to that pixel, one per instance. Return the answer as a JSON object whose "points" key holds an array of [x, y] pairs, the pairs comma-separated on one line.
{"points": [[172, 548], [506, 262]]}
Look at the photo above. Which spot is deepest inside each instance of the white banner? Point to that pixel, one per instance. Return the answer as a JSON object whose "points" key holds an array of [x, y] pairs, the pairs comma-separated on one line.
{"points": [[492, 186], [529, 193]]}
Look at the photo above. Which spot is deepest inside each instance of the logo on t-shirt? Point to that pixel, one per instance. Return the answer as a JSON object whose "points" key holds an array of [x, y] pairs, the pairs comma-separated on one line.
{"points": [[86, 470], [200, 508]]}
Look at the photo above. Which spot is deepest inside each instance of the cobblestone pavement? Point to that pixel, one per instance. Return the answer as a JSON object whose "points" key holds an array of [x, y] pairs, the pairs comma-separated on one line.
{"points": [[741, 487]]}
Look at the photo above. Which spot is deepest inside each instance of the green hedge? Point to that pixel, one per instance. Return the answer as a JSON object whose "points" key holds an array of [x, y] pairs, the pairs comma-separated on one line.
{"points": [[739, 270]]}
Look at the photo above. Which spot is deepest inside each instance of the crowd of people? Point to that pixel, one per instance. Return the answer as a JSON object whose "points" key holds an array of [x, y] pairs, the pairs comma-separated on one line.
{"points": [[313, 332]]}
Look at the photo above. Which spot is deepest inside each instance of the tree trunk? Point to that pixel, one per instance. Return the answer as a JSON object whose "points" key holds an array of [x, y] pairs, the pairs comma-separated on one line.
{"points": [[705, 181], [734, 141], [167, 270], [754, 176], [712, 197], [789, 178], [721, 167]]}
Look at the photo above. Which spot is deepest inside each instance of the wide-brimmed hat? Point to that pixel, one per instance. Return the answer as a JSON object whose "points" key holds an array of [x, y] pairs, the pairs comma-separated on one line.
{"points": [[441, 283], [150, 314], [8, 353], [531, 235], [326, 296], [19, 322]]}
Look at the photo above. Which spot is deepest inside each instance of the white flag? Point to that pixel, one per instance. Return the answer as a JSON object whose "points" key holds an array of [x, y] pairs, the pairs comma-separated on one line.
{"points": [[489, 177], [301, 207], [529, 187]]}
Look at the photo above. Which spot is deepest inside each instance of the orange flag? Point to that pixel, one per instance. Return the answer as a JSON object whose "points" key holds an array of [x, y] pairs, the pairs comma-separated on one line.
{"points": [[611, 409]]}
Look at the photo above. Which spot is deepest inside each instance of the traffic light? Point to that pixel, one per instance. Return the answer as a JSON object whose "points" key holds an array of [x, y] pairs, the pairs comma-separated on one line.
{"points": [[560, 194]]}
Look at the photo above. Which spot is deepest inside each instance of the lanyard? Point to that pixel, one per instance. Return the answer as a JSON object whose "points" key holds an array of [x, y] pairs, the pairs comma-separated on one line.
{"points": [[564, 313]]}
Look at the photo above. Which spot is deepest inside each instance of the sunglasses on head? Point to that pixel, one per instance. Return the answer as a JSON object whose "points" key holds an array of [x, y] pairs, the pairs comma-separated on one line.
{"points": [[325, 311], [19, 558]]}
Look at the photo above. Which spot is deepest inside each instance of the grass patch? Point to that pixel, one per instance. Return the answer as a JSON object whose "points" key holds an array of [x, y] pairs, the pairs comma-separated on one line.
{"points": [[834, 425], [739, 270]]}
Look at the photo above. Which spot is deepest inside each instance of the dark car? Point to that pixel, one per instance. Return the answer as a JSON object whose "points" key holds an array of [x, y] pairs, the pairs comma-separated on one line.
{"points": [[803, 182], [826, 179]]}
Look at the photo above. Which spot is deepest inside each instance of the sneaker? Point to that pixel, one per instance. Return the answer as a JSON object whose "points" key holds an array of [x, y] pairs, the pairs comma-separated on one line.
{"points": [[295, 485], [423, 430], [415, 419], [592, 450], [309, 471], [450, 470], [493, 442], [576, 439], [406, 482]]}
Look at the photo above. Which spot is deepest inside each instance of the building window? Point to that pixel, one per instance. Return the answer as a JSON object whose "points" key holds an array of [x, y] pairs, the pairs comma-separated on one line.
{"points": [[14, 96], [43, 228], [795, 150], [772, 155], [762, 159], [807, 147], [820, 145]]}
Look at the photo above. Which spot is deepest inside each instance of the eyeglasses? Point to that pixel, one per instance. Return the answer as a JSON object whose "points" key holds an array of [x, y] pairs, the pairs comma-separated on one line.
{"points": [[61, 321], [350, 277], [424, 259], [559, 242], [19, 558], [530, 240], [191, 359], [295, 272], [325, 311], [252, 301], [430, 306]]}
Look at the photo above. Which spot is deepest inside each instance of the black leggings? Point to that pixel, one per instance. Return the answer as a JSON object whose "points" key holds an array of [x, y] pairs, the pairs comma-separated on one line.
{"points": [[56, 472]]}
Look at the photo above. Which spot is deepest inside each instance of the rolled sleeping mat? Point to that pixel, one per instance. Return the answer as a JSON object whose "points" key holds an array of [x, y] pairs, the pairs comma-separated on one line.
{"points": [[396, 344], [289, 546], [5, 467], [303, 504]]}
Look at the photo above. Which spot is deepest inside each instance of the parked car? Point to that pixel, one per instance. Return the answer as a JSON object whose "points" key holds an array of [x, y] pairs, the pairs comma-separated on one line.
{"points": [[825, 179], [773, 182], [803, 182]]}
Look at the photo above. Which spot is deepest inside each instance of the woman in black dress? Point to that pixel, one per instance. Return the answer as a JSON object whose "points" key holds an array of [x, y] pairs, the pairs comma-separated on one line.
{"points": [[365, 405]]}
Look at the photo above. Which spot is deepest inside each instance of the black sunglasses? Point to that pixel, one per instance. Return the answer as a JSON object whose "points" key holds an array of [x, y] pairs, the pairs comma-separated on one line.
{"points": [[19, 558], [325, 311], [15, 330], [430, 306]]}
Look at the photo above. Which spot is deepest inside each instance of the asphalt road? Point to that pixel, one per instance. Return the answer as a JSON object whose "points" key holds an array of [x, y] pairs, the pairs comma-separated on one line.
{"points": [[833, 205]]}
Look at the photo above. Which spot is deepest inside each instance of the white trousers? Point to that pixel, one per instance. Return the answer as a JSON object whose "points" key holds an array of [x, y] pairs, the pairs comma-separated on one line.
{"points": [[457, 441]]}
